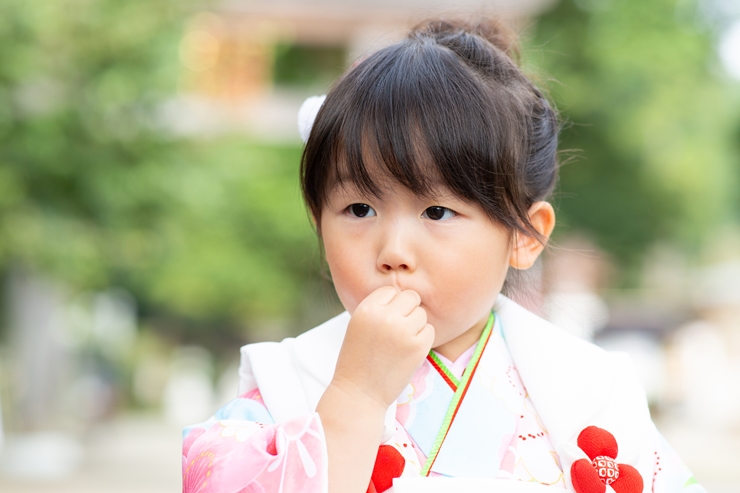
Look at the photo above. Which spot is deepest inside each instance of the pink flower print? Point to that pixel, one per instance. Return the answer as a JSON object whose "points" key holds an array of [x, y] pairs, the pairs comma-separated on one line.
{"points": [[242, 456], [240, 430], [210, 464], [254, 395], [415, 391]]}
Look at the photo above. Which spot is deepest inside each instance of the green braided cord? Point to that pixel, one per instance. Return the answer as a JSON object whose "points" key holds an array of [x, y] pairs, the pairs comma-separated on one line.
{"points": [[444, 368], [467, 375]]}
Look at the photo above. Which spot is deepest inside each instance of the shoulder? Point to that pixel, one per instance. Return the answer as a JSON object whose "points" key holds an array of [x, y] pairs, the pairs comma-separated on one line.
{"points": [[518, 323], [297, 367], [535, 343], [573, 383], [293, 352], [540, 349]]}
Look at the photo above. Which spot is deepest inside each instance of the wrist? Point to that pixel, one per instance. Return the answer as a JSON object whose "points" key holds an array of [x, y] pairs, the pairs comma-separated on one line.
{"points": [[353, 426], [344, 405], [363, 396]]}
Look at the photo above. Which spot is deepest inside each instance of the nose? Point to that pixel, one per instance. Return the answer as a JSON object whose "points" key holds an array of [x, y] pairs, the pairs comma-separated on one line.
{"points": [[396, 252]]}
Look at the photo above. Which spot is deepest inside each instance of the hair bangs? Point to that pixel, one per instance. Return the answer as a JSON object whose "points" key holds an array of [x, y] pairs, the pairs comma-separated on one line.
{"points": [[444, 111], [400, 115]]}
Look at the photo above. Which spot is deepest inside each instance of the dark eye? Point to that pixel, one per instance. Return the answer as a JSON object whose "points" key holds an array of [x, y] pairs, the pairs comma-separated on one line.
{"points": [[438, 213], [360, 210]]}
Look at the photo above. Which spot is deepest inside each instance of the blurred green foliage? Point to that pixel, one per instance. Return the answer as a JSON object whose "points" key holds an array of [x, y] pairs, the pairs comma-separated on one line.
{"points": [[652, 119], [94, 192], [308, 65]]}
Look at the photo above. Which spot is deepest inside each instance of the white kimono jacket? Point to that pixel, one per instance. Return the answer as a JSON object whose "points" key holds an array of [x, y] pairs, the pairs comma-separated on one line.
{"points": [[535, 408]]}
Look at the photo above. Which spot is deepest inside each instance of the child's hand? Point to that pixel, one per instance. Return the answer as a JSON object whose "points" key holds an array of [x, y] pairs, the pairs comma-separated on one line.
{"points": [[387, 340]]}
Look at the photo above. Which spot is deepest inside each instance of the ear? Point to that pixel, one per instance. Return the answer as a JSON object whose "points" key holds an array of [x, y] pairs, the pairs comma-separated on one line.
{"points": [[526, 249]]}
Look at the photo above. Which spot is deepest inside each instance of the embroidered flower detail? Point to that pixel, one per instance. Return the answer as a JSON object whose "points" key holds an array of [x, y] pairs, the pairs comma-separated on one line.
{"points": [[606, 468], [592, 476]]}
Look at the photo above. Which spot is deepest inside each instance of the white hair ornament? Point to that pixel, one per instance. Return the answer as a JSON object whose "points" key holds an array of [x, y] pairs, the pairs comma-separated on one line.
{"points": [[307, 114]]}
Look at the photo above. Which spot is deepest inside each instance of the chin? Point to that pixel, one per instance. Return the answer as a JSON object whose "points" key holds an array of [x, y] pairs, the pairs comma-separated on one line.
{"points": [[441, 336]]}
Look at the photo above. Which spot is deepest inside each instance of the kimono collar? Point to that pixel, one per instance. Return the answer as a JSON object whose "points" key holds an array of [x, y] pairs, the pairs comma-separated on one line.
{"points": [[572, 383]]}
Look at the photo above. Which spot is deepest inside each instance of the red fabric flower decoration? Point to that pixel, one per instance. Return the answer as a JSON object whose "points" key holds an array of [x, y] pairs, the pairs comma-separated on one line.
{"points": [[593, 476], [389, 464]]}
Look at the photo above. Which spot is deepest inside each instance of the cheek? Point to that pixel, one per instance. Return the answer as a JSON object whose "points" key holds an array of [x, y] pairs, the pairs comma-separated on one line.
{"points": [[344, 260], [477, 272], [473, 273]]}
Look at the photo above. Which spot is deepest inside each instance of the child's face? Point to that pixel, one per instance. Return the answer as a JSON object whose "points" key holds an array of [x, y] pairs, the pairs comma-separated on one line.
{"points": [[445, 249]]}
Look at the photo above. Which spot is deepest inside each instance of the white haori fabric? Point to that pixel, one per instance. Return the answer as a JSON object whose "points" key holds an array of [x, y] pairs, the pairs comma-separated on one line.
{"points": [[292, 375], [572, 383], [468, 485]]}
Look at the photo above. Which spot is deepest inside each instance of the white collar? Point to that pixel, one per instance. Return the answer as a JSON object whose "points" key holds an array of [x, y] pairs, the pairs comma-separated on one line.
{"points": [[572, 383]]}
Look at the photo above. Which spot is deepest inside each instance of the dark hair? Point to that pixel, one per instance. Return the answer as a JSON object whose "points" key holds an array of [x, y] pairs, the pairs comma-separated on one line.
{"points": [[447, 105]]}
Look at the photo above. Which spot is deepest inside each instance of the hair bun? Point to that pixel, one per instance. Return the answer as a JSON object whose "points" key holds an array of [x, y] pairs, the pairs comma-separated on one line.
{"points": [[451, 32]]}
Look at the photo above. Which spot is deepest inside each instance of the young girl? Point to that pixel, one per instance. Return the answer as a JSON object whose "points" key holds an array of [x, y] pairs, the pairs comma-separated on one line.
{"points": [[426, 173]]}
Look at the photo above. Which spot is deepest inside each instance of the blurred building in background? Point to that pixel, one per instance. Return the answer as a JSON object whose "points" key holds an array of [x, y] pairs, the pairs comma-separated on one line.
{"points": [[250, 64], [150, 219]]}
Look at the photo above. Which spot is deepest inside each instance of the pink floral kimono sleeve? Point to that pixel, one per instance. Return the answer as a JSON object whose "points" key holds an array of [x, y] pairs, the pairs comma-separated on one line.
{"points": [[242, 450]]}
